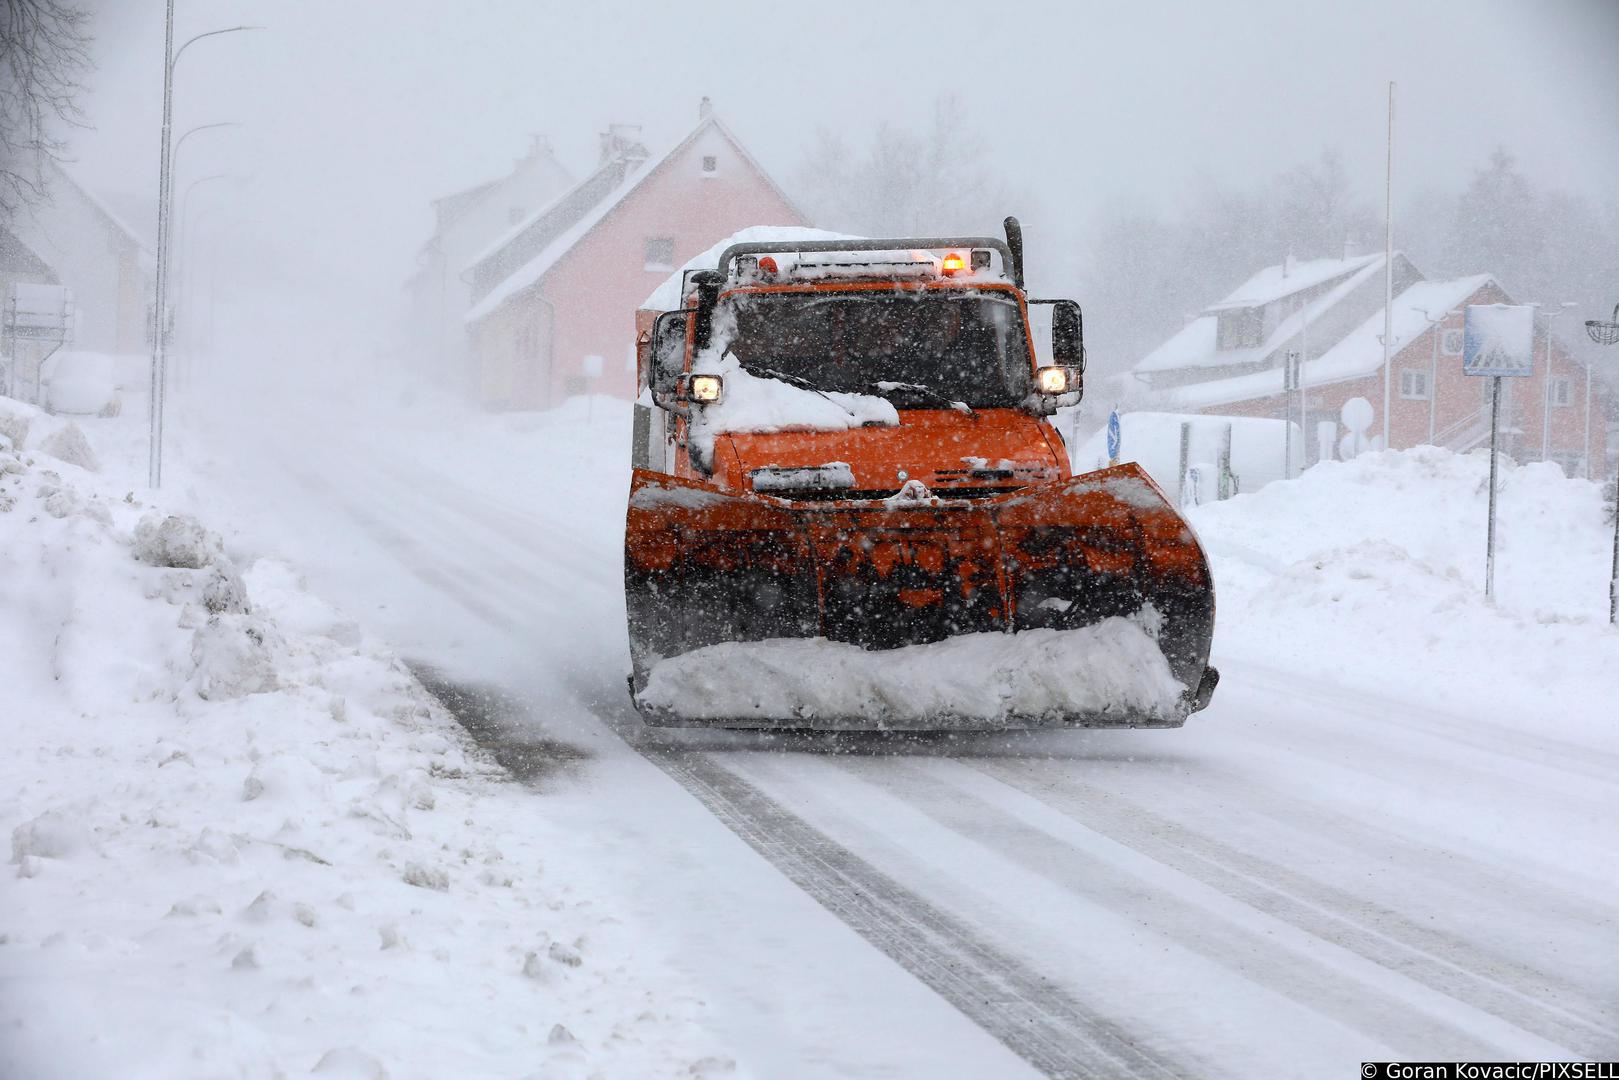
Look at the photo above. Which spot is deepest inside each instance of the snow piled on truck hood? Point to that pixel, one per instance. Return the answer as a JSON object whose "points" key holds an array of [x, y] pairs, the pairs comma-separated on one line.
{"points": [[244, 841], [1112, 666], [757, 404]]}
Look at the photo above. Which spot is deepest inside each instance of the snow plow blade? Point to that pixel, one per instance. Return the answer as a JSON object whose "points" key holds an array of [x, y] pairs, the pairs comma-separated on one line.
{"points": [[1080, 602]]}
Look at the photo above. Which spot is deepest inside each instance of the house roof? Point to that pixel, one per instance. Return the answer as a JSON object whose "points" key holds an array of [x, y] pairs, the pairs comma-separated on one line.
{"points": [[564, 239], [17, 257], [1290, 276], [1358, 354], [1195, 344]]}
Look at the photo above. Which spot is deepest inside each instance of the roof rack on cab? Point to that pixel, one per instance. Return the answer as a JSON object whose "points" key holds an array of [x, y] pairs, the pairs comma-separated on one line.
{"points": [[922, 243]]}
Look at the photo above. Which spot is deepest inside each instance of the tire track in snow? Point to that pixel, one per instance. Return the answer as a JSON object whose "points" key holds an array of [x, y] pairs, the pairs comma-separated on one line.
{"points": [[1290, 974], [1028, 1012], [1481, 735], [457, 587], [562, 550], [1433, 958]]}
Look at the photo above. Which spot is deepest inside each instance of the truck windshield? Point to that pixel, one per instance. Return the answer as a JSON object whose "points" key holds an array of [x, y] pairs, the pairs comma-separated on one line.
{"points": [[968, 347]]}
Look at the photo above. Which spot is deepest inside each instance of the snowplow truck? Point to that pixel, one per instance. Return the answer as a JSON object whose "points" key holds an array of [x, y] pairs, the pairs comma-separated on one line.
{"points": [[850, 508]]}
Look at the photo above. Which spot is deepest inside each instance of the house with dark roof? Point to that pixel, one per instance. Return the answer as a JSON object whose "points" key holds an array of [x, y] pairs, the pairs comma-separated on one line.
{"points": [[554, 298], [1230, 359], [464, 224]]}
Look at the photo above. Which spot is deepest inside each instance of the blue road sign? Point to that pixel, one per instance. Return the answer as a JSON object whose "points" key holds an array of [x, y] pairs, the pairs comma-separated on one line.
{"points": [[1113, 437]]}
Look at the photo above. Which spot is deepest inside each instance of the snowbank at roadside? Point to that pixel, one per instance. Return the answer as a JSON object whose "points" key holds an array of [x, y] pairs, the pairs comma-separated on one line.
{"points": [[1370, 573], [244, 841]]}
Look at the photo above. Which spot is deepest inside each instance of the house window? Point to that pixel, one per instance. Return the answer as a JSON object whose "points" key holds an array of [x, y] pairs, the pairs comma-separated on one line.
{"points": [[711, 164], [1560, 391], [1453, 342], [660, 253], [1414, 385], [514, 215], [1239, 328]]}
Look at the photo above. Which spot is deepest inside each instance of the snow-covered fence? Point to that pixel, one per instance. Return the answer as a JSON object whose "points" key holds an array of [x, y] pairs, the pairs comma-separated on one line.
{"points": [[1153, 440]]}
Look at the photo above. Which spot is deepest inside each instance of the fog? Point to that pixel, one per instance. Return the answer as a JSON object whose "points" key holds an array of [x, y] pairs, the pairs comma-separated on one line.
{"points": [[438, 680], [354, 116]]}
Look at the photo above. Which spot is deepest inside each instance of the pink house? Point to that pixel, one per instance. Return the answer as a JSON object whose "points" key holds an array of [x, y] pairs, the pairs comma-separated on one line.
{"points": [[554, 299], [1229, 361]]}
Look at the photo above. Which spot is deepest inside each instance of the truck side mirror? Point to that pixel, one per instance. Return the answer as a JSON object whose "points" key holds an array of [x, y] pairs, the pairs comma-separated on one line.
{"points": [[707, 283], [668, 358], [1067, 334]]}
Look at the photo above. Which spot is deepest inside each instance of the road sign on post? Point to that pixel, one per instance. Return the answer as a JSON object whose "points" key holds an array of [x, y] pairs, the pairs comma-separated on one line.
{"points": [[1499, 342], [1113, 439]]}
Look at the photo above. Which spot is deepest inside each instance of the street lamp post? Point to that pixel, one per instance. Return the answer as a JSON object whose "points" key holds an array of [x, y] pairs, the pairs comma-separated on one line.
{"points": [[181, 141], [165, 212], [1546, 380], [182, 245]]}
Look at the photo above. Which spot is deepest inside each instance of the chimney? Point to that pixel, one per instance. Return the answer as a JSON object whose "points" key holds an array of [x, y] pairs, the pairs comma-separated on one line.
{"points": [[705, 108], [538, 146], [622, 142], [1351, 249]]}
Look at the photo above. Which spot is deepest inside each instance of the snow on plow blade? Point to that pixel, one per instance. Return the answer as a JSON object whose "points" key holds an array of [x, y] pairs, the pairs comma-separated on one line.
{"points": [[1082, 602]]}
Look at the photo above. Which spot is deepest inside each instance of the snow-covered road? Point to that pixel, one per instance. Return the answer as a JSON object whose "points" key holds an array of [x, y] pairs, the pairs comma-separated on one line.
{"points": [[1314, 872]]}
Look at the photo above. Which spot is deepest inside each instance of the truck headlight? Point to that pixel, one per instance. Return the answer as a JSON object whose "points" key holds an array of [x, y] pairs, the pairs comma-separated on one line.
{"points": [[706, 389], [1052, 380]]}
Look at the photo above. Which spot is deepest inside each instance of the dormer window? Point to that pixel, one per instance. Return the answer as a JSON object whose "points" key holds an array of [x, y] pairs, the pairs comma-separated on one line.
{"points": [[1239, 328], [711, 164]]}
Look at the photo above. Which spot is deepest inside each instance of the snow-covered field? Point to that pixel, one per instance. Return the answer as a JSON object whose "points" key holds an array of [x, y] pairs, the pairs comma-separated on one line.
{"points": [[1389, 836]]}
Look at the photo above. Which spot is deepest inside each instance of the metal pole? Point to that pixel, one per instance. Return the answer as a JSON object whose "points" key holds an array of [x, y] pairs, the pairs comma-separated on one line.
{"points": [[1433, 379], [1388, 274], [183, 247], [1287, 416], [165, 212], [1613, 575], [154, 464], [1546, 393], [1588, 422], [1495, 430], [1186, 457], [1304, 401]]}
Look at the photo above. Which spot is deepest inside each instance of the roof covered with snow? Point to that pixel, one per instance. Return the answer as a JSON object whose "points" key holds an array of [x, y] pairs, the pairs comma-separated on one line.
{"points": [[632, 178], [1358, 354], [1289, 277], [1195, 344]]}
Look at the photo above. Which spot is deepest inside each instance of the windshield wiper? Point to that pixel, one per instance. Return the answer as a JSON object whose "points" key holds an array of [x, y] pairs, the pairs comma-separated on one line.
{"points": [[886, 387], [794, 380]]}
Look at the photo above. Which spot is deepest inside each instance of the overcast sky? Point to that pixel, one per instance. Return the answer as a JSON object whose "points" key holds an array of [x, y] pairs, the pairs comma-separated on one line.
{"points": [[357, 113]]}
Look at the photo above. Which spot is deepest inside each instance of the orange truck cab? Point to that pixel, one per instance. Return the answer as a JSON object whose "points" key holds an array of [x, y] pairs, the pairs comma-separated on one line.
{"points": [[845, 448]]}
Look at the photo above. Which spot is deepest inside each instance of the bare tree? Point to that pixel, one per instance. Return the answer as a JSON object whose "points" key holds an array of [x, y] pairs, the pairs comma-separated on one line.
{"points": [[44, 54], [938, 180]]}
